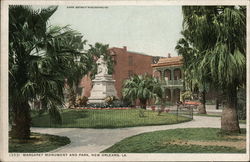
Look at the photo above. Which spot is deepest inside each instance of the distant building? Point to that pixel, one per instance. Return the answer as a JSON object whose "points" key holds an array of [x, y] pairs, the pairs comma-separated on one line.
{"points": [[127, 63], [170, 69]]}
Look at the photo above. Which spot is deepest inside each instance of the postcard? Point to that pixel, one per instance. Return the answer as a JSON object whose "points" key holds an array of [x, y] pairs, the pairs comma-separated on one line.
{"points": [[124, 80]]}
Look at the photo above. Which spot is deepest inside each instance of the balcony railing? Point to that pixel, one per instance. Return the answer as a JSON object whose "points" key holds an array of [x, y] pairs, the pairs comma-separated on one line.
{"points": [[174, 82]]}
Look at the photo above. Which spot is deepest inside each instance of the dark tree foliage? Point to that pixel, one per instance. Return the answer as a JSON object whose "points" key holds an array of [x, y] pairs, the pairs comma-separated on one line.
{"points": [[40, 58], [214, 48]]}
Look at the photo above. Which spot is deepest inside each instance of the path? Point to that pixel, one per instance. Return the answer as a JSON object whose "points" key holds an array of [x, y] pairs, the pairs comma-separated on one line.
{"points": [[96, 140]]}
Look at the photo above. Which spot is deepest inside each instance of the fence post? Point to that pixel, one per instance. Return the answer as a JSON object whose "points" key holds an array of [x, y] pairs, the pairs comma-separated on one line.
{"points": [[49, 121], [177, 112], [192, 113]]}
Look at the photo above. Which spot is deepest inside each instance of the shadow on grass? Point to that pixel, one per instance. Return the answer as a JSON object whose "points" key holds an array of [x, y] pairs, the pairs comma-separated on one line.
{"points": [[38, 143], [68, 117]]}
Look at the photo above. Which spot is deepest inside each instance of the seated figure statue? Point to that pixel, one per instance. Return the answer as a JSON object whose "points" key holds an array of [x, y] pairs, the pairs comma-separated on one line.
{"points": [[101, 66]]}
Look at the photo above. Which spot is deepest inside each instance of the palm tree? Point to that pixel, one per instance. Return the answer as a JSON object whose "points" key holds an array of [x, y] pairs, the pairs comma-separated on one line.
{"points": [[191, 78], [185, 49], [40, 58], [219, 34], [81, 66], [142, 87]]}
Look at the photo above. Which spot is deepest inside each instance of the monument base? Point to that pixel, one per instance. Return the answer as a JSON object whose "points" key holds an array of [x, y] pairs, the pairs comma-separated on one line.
{"points": [[103, 86]]}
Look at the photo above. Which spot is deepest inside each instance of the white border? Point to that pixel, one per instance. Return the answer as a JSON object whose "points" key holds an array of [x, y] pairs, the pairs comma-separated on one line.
{"points": [[4, 156]]}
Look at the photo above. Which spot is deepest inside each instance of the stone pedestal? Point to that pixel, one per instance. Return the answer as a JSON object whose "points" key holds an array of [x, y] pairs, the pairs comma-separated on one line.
{"points": [[103, 86]]}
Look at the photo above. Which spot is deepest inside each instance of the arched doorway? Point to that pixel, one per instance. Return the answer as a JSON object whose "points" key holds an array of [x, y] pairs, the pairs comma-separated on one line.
{"points": [[157, 74], [176, 95], [168, 94], [167, 74]]}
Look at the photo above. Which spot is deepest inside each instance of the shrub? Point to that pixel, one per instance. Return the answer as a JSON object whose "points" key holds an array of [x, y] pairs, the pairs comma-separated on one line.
{"points": [[114, 104], [126, 102], [71, 98], [98, 105], [110, 100], [81, 101], [186, 95]]}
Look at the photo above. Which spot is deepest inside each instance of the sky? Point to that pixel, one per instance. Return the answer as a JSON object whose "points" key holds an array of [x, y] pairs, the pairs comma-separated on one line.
{"points": [[152, 30]]}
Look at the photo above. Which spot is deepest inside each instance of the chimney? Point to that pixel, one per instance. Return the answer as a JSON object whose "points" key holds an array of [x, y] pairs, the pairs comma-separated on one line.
{"points": [[169, 55], [125, 48]]}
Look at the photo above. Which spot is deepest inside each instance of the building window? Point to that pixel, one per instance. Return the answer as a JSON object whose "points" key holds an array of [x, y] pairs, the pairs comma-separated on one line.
{"points": [[177, 74], [157, 74], [167, 74], [130, 60]]}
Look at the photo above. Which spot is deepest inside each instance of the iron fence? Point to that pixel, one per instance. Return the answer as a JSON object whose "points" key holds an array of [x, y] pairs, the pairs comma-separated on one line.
{"points": [[113, 117], [178, 110]]}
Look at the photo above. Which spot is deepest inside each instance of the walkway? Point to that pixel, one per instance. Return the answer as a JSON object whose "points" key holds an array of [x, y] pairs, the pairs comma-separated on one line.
{"points": [[96, 140]]}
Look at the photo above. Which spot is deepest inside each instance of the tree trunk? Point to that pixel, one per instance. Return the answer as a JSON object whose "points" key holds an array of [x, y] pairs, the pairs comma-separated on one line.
{"points": [[202, 107], [72, 98], [21, 121], [229, 118], [143, 103], [184, 82], [218, 99], [217, 103]]}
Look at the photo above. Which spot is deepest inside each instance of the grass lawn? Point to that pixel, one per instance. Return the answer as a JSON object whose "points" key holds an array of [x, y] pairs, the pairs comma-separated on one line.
{"points": [[189, 140], [38, 143], [80, 118]]}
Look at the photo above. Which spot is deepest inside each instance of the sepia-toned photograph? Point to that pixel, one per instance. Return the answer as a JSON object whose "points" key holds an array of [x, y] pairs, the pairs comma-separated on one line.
{"points": [[124, 82]]}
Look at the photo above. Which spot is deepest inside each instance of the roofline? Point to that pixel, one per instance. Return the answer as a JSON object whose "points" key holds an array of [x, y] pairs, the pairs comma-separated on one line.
{"points": [[179, 63], [133, 52]]}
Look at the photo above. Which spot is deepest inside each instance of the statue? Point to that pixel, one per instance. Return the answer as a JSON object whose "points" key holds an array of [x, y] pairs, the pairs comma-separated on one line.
{"points": [[103, 84], [101, 66]]}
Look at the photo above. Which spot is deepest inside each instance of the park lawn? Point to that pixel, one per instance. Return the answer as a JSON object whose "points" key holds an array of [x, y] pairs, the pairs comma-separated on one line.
{"points": [[38, 143], [87, 118], [188, 140]]}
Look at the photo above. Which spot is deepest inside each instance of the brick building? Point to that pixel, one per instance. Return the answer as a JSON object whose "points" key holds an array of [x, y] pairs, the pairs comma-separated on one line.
{"points": [[126, 64]]}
